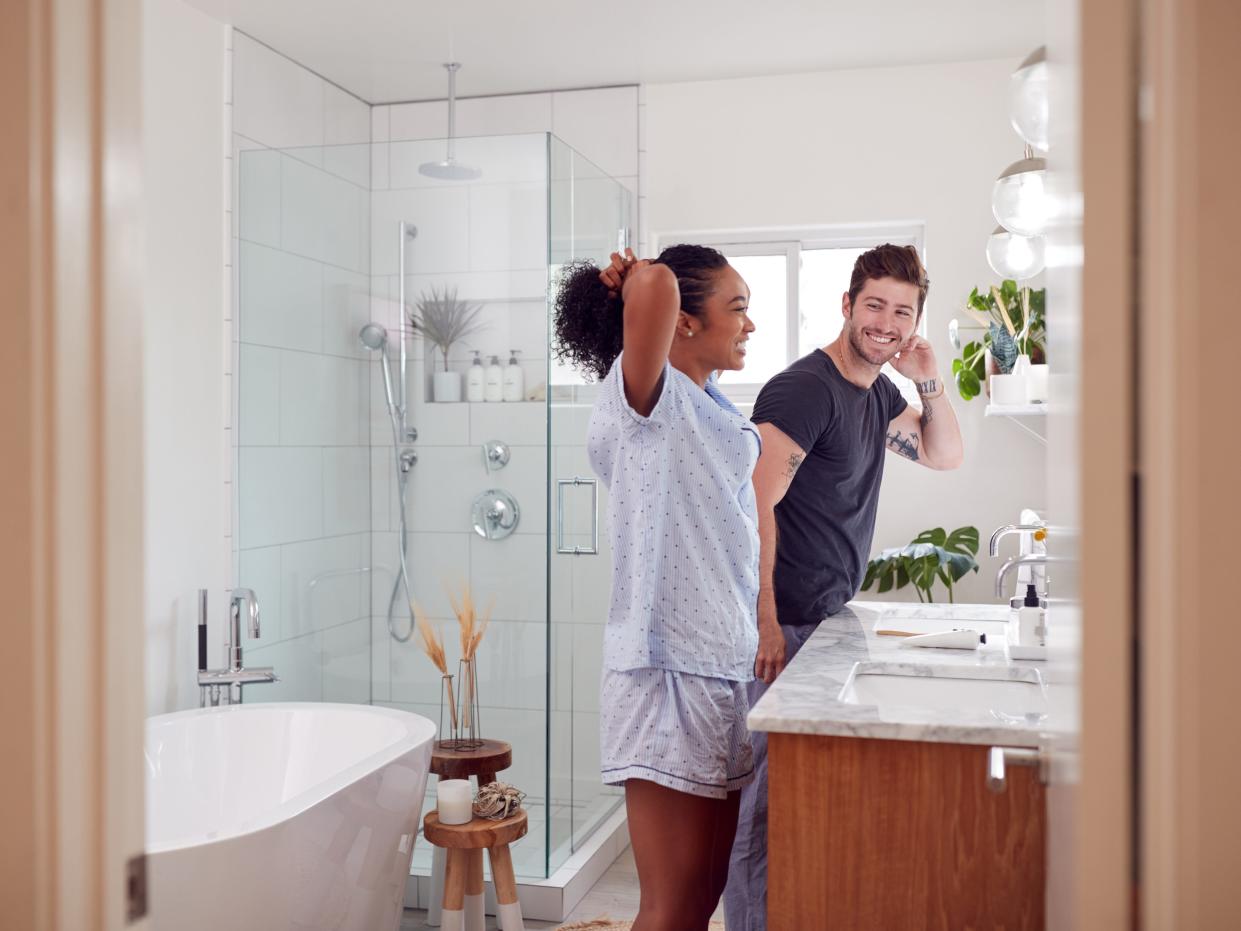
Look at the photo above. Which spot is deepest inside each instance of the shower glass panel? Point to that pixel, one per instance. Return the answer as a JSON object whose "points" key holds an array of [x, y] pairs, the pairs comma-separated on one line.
{"points": [[321, 256]]}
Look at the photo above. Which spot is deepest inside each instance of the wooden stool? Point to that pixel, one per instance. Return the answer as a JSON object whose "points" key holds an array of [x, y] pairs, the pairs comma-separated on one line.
{"points": [[465, 844], [482, 763]]}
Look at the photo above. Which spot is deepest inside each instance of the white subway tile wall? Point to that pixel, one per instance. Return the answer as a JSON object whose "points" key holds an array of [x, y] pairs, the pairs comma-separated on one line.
{"points": [[301, 225]]}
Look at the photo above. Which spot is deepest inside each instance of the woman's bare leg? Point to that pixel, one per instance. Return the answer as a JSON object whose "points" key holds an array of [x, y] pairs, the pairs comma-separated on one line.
{"points": [[680, 844]]}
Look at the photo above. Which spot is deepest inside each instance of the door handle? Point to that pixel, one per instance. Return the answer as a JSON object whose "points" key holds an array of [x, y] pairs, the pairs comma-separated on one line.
{"points": [[593, 549]]}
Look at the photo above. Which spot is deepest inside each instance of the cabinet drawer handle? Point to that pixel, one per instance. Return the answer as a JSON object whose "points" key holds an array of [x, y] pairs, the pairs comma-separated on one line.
{"points": [[999, 758]]}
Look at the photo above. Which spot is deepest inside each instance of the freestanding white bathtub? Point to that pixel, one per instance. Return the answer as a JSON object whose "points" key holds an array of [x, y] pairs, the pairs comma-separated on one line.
{"points": [[283, 816]]}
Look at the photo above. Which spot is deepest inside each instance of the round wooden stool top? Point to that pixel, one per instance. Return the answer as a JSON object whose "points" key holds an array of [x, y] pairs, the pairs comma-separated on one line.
{"points": [[479, 833], [489, 759]]}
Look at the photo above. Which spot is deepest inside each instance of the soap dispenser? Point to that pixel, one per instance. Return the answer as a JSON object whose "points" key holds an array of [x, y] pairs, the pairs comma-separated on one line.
{"points": [[1027, 633], [514, 379], [493, 389], [474, 379]]}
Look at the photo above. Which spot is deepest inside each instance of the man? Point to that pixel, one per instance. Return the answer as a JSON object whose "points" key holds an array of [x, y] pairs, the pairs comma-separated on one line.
{"points": [[825, 422]]}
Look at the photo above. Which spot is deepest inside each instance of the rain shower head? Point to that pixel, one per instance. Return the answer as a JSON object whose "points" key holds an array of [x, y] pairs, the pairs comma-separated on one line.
{"points": [[373, 336], [448, 168]]}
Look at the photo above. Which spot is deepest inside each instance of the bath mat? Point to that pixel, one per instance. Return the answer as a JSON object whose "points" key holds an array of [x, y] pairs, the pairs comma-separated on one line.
{"points": [[607, 924]]}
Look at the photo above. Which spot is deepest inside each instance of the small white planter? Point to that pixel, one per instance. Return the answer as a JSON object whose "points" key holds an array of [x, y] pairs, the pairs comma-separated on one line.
{"points": [[446, 387]]}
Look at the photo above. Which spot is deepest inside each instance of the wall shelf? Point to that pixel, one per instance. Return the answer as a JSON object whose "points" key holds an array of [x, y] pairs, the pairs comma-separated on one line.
{"points": [[1016, 410]]}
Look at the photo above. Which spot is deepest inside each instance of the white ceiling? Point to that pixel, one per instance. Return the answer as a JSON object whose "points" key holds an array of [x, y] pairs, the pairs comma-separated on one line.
{"points": [[391, 50]]}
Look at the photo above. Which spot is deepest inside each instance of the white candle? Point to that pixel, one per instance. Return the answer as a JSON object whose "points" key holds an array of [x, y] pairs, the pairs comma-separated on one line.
{"points": [[454, 799]]}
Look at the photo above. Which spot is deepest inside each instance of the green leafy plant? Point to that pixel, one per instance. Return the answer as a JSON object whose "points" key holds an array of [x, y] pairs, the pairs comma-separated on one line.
{"points": [[1012, 319], [934, 555], [444, 320]]}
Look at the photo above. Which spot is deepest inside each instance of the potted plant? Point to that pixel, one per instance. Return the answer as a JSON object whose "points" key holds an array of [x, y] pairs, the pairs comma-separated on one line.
{"points": [[443, 320], [1012, 319], [934, 555]]}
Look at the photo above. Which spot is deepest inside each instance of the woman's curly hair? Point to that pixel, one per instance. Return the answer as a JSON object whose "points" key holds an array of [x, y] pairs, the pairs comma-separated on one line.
{"points": [[589, 319]]}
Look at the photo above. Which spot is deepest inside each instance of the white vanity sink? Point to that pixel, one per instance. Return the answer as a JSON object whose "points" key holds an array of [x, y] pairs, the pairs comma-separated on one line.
{"points": [[894, 690]]}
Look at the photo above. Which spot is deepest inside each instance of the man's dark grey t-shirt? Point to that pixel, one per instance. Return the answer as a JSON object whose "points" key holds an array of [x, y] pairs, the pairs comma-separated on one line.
{"points": [[826, 520]]}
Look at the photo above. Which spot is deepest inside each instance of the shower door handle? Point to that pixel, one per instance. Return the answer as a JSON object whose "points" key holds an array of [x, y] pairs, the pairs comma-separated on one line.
{"points": [[593, 549]]}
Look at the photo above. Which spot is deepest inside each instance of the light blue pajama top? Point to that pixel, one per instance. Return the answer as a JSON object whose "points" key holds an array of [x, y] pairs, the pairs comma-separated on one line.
{"points": [[683, 525]]}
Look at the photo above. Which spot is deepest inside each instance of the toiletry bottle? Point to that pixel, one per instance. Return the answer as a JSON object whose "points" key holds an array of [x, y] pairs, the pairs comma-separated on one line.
{"points": [[514, 379], [1031, 630], [474, 379], [493, 389]]}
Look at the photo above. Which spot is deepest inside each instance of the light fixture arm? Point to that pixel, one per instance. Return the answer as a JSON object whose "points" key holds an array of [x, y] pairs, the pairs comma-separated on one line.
{"points": [[452, 67]]}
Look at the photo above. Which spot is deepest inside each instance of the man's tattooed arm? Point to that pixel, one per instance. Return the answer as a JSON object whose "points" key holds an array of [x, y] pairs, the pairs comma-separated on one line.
{"points": [[904, 446], [794, 463], [927, 414]]}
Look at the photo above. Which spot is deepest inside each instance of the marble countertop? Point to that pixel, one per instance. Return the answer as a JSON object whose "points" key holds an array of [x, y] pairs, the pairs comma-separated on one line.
{"points": [[806, 698]]}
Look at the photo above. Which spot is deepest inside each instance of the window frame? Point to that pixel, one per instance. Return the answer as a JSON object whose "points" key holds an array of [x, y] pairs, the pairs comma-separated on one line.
{"points": [[792, 242]]}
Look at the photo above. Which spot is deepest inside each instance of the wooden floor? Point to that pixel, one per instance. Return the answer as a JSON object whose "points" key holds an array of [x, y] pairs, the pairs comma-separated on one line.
{"points": [[615, 895]]}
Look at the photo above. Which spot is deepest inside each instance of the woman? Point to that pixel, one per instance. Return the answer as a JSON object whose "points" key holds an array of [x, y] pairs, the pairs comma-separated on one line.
{"points": [[677, 459]]}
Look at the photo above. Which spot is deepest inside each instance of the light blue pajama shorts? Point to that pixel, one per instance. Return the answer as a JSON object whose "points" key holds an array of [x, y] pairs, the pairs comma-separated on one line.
{"points": [[679, 730]]}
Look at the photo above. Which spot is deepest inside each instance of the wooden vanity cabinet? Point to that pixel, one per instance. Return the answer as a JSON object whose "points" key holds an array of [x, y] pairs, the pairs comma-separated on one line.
{"points": [[893, 834]]}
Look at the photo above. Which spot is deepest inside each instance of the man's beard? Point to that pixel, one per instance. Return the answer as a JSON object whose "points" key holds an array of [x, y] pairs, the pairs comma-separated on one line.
{"points": [[873, 354]]}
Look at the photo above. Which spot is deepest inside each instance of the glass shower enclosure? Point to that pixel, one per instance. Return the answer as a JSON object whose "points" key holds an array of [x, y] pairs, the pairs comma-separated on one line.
{"points": [[333, 241]]}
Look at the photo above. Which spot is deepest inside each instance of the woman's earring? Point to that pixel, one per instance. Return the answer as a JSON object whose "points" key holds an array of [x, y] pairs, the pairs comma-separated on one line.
{"points": [[689, 332]]}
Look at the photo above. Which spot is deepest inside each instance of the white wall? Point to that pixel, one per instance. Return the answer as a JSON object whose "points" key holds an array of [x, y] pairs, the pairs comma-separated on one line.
{"points": [[895, 144], [187, 507]]}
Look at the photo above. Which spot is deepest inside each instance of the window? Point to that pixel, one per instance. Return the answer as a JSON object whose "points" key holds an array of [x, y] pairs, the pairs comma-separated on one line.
{"points": [[796, 280]]}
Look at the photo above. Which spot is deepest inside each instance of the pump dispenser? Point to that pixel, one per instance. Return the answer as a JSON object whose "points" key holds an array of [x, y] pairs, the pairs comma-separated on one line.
{"points": [[475, 378], [514, 379], [1027, 631], [493, 388]]}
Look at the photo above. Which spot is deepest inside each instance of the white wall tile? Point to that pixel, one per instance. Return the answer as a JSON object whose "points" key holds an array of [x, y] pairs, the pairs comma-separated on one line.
{"points": [[428, 120], [281, 299], [347, 662], [443, 485], [323, 400], [346, 490], [381, 674], [346, 135], [258, 193], [379, 166], [441, 424], [515, 424], [259, 380], [602, 124], [276, 102], [511, 113], [515, 570], [380, 121], [587, 663], [321, 215], [298, 664], [508, 227], [382, 491], [276, 485], [324, 583], [436, 561], [526, 285], [346, 309], [442, 218]]}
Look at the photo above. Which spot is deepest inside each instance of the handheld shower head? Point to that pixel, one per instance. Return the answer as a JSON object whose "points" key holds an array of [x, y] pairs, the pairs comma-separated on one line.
{"points": [[373, 336]]}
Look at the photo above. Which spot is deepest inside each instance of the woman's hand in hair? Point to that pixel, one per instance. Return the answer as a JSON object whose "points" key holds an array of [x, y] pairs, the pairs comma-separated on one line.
{"points": [[619, 271]]}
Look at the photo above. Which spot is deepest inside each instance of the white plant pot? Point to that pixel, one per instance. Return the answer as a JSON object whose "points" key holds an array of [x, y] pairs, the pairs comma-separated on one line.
{"points": [[446, 387]]}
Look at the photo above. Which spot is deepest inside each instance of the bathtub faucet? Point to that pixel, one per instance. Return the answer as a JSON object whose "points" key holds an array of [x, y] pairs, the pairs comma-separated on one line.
{"points": [[241, 600]]}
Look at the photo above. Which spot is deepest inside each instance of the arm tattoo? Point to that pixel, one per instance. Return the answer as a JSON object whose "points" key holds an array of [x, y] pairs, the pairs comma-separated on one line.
{"points": [[794, 463], [927, 415], [904, 446], [927, 387]]}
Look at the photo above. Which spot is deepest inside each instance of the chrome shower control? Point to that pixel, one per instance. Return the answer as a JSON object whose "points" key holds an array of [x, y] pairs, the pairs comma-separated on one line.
{"points": [[495, 514], [408, 459]]}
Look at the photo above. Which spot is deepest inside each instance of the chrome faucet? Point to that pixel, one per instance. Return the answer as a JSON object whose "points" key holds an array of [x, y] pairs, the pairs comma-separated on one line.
{"points": [[235, 675], [1029, 559], [1004, 531]]}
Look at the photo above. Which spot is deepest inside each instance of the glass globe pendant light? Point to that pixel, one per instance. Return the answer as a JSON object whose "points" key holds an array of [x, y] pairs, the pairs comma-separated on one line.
{"points": [[1012, 255], [1018, 199], [1028, 107]]}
